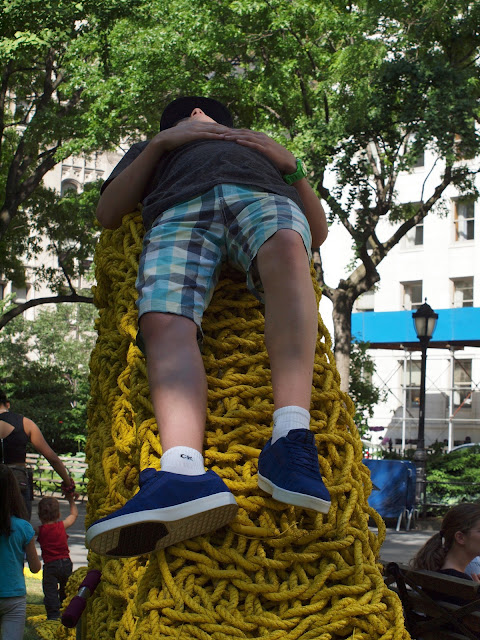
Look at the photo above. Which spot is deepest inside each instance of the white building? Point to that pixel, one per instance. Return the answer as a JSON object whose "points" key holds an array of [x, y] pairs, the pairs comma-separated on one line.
{"points": [[439, 260]]}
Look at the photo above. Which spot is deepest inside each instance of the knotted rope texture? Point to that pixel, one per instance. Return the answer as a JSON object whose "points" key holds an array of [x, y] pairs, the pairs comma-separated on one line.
{"points": [[277, 572]]}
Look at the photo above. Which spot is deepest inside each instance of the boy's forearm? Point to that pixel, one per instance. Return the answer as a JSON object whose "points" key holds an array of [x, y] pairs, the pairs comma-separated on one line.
{"points": [[124, 193], [314, 212]]}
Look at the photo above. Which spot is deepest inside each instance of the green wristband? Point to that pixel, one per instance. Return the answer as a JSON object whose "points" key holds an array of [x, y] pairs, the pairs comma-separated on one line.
{"points": [[299, 173]]}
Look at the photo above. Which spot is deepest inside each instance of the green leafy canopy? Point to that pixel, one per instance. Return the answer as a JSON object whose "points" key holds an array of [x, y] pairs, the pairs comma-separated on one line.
{"points": [[44, 370]]}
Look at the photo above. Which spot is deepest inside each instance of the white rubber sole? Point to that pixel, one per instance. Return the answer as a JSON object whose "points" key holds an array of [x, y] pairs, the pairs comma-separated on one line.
{"points": [[142, 532], [292, 497]]}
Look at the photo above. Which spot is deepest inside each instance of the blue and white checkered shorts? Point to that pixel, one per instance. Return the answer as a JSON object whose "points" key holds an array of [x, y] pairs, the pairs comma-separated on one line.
{"points": [[185, 248]]}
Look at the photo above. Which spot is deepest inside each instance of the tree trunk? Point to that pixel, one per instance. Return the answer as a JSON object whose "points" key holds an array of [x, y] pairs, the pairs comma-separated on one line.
{"points": [[342, 321]]}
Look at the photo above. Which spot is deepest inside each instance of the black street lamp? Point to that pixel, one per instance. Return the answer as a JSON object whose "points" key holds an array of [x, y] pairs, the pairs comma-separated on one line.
{"points": [[425, 320]]}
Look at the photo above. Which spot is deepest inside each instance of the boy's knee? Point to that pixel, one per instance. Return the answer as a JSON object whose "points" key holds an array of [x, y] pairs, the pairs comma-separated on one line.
{"points": [[285, 249], [155, 326]]}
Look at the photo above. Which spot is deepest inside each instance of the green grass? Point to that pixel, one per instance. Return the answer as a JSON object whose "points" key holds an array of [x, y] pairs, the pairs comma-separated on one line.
{"points": [[34, 591], [34, 596]]}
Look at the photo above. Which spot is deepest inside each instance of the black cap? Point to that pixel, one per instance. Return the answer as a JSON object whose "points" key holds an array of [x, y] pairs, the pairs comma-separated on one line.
{"points": [[183, 107]]}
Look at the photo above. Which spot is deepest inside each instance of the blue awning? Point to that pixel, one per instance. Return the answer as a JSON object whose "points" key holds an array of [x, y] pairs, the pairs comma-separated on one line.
{"points": [[395, 329]]}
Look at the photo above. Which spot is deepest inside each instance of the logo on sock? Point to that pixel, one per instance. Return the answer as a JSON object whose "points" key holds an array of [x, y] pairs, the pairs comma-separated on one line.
{"points": [[184, 455]]}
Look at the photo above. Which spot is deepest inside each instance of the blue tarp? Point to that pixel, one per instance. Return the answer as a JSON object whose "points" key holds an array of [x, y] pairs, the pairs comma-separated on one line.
{"points": [[395, 482]]}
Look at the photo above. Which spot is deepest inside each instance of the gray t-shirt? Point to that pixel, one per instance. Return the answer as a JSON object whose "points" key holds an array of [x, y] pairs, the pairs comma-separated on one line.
{"points": [[198, 166]]}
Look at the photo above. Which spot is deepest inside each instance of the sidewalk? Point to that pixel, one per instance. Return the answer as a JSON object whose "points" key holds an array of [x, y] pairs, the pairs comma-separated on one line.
{"points": [[399, 546]]}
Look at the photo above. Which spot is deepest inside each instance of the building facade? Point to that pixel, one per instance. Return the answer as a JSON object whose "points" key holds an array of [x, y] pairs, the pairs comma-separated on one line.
{"points": [[438, 261]]}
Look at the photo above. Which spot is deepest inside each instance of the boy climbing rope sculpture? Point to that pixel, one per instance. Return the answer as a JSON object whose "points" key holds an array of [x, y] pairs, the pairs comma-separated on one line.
{"points": [[214, 194]]}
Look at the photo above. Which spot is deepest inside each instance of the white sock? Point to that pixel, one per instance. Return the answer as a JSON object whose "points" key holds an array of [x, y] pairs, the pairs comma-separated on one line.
{"points": [[183, 460], [288, 418]]}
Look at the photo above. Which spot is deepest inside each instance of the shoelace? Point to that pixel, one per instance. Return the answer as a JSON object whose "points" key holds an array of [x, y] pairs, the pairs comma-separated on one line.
{"points": [[305, 452]]}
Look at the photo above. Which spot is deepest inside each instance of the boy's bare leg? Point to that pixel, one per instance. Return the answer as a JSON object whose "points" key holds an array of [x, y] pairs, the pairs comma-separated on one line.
{"points": [[291, 317], [288, 466], [182, 500], [177, 380]]}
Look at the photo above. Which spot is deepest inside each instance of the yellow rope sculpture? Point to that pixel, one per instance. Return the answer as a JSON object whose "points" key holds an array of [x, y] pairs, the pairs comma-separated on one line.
{"points": [[277, 572]]}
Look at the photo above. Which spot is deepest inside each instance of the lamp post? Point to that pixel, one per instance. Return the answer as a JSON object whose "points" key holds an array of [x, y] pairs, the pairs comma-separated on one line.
{"points": [[425, 321]]}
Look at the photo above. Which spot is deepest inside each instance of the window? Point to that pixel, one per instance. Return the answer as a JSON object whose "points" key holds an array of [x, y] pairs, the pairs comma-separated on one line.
{"points": [[464, 220], [462, 383], [414, 147], [412, 382], [463, 292], [86, 264], [463, 145], [420, 160], [414, 237], [84, 272], [20, 293], [412, 294], [69, 185], [366, 302]]}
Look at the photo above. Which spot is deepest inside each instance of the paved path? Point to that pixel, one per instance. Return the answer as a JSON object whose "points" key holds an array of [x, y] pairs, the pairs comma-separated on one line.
{"points": [[399, 546]]}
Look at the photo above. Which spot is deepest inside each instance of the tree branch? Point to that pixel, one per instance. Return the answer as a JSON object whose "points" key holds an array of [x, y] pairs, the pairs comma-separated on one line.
{"points": [[17, 192], [336, 208], [17, 188], [3, 94], [303, 88], [377, 172], [64, 270], [21, 308], [274, 113], [382, 250]]}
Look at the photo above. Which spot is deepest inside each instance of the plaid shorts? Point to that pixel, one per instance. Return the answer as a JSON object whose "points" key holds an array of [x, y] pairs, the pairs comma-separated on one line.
{"points": [[185, 248]]}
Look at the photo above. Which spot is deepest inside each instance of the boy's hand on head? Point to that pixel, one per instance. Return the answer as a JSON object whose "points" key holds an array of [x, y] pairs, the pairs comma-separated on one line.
{"points": [[281, 157], [187, 131]]}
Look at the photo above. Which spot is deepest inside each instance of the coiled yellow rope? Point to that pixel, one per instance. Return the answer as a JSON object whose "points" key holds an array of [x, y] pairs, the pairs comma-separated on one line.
{"points": [[277, 571]]}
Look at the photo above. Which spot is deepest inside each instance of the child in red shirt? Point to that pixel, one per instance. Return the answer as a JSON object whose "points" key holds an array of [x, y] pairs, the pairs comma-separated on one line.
{"points": [[57, 566]]}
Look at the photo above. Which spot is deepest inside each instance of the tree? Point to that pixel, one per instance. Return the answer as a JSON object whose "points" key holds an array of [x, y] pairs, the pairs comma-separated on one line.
{"points": [[453, 478], [423, 94], [77, 78], [55, 93], [364, 393], [44, 371], [63, 227], [359, 91]]}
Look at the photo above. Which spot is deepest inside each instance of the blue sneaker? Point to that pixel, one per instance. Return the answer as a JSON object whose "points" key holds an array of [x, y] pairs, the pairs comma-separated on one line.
{"points": [[168, 508], [289, 471]]}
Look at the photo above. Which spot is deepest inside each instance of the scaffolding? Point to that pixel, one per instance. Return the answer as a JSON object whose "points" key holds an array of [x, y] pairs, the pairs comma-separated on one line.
{"points": [[452, 404]]}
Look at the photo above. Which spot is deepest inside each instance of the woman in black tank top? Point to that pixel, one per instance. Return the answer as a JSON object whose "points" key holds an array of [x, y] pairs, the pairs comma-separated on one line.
{"points": [[16, 432]]}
